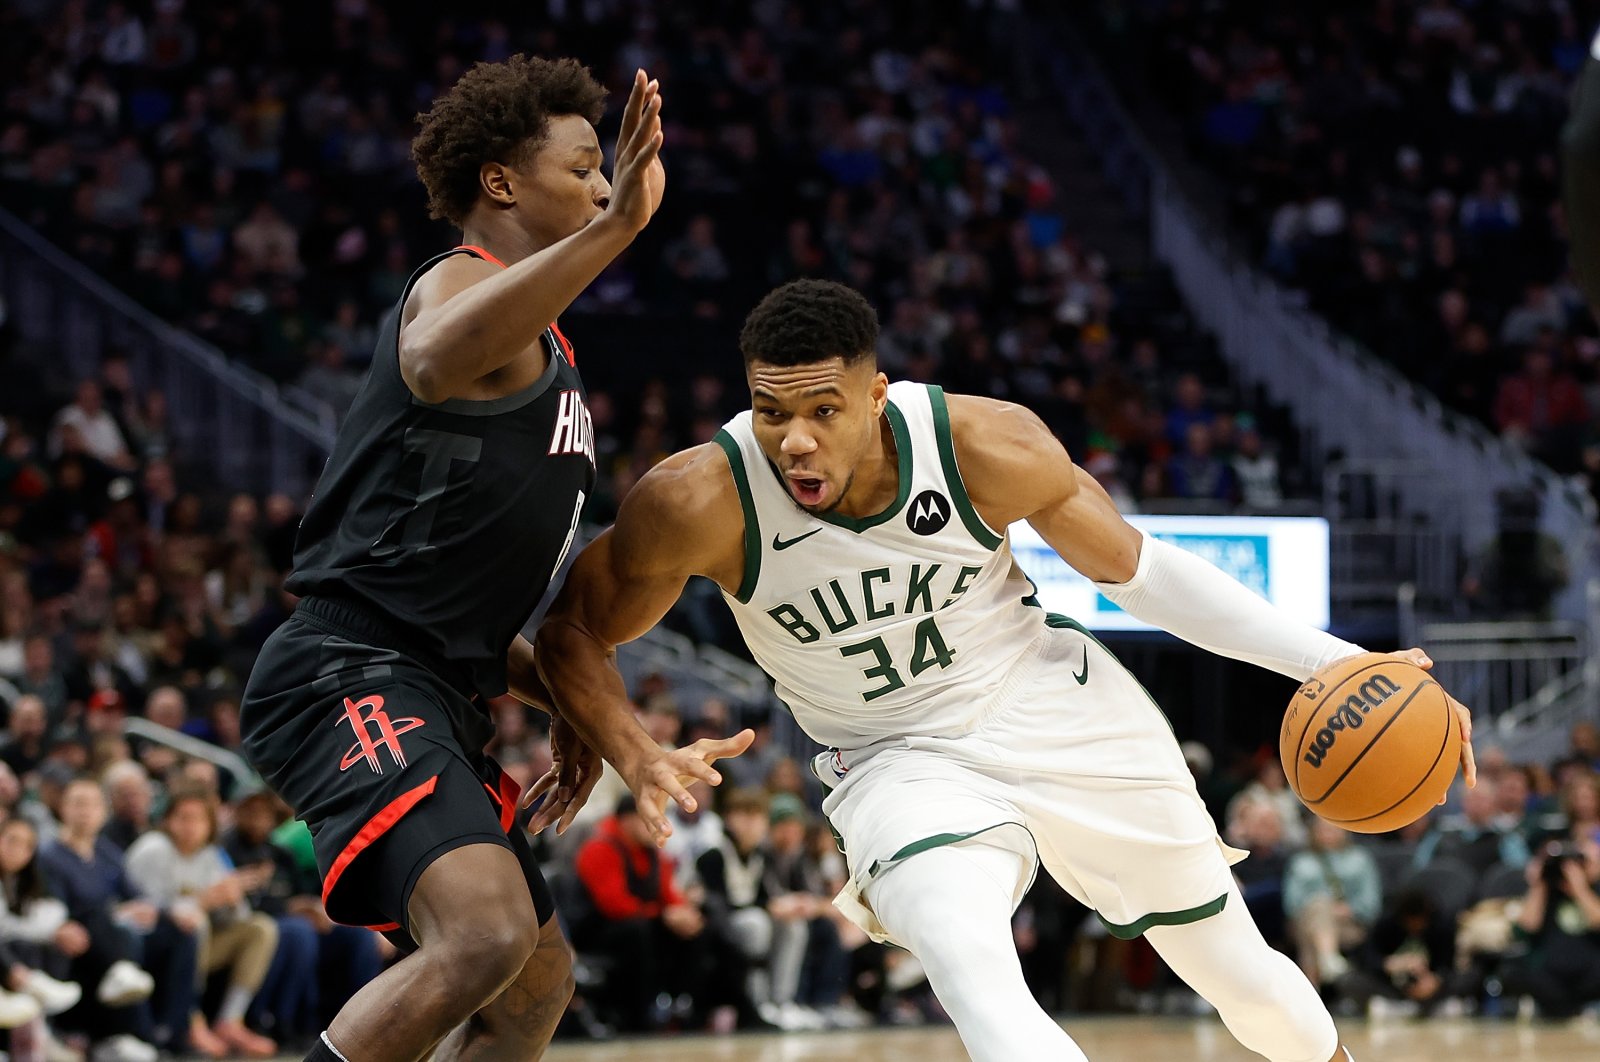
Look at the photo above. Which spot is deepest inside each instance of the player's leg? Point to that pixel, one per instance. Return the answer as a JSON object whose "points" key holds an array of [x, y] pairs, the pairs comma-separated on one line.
{"points": [[517, 1024], [951, 908], [1262, 996], [476, 930]]}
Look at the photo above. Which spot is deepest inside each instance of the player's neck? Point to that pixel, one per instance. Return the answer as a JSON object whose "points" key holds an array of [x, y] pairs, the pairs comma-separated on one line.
{"points": [[877, 478], [500, 237]]}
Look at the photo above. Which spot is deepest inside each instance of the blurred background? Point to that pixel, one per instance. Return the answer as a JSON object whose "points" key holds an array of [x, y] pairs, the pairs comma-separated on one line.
{"points": [[1285, 274]]}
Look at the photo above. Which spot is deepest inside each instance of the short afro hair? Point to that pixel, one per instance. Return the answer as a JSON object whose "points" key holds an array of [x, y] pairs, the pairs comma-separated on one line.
{"points": [[497, 112], [810, 320]]}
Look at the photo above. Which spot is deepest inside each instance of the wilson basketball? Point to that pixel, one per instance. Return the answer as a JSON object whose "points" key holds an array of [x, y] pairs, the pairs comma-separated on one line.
{"points": [[1370, 743]]}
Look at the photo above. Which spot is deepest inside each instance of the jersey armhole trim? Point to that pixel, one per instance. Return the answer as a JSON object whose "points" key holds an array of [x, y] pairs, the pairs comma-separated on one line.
{"points": [[752, 531], [952, 472]]}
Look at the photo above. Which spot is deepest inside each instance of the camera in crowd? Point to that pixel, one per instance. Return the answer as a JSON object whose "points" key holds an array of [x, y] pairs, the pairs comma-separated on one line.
{"points": [[1556, 856]]}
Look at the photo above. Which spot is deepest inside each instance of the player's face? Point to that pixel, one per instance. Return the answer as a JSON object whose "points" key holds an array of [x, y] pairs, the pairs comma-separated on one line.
{"points": [[816, 423], [562, 188]]}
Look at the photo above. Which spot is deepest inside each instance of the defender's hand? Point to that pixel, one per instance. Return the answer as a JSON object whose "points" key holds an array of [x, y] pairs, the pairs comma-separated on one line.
{"points": [[575, 770], [638, 178], [1469, 763], [662, 778]]}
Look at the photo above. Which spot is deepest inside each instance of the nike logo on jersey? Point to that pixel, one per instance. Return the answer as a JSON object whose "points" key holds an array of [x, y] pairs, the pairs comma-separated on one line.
{"points": [[1085, 676], [782, 543]]}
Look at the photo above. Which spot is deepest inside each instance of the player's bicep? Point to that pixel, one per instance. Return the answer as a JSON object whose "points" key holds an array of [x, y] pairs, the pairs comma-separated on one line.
{"points": [[618, 588], [1089, 533]]}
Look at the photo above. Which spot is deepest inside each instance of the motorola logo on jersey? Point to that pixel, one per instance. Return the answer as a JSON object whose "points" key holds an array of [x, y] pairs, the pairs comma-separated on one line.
{"points": [[574, 431], [928, 514]]}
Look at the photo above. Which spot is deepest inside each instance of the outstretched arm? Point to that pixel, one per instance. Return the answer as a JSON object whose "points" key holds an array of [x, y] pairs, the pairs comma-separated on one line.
{"points": [[1016, 470], [1012, 455], [682, 519], [466, 318]]}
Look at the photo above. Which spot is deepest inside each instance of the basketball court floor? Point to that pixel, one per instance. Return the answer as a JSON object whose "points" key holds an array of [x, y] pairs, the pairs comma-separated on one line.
{"points": [[1125, 1040]]}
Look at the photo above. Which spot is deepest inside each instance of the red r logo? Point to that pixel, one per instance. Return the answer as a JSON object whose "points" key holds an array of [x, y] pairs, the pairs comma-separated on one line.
{"points": [[387, 737]]}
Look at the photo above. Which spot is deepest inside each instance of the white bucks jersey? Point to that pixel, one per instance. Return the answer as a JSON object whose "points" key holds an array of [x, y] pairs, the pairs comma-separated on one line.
{"points": [[899, 624]]}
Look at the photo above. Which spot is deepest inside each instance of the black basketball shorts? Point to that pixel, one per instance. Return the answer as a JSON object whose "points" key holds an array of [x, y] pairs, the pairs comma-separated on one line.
{"points": [[381, 758]]}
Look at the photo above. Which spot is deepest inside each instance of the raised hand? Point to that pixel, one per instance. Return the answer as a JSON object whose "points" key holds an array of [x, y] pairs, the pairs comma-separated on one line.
{"points": [[638, 178]]}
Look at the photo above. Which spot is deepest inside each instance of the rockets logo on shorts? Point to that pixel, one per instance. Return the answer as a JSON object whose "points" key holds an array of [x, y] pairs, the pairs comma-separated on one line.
{"points": [[574, 430], [374, 731]]}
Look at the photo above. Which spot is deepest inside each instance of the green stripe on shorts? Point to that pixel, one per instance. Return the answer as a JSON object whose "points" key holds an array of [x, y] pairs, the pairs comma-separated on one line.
{"points": [[1165, 918]]}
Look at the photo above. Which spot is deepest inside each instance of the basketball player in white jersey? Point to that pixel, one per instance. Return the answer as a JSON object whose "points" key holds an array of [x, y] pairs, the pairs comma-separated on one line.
{"points": [[858, 531]]}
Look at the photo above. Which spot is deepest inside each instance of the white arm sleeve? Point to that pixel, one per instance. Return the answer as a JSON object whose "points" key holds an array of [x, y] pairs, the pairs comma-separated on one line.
{"points": [[1195, 600]]}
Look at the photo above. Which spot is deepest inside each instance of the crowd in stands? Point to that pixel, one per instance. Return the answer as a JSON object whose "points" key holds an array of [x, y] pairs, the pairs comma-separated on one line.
{"points": [[1397, 160], [243, 170]]}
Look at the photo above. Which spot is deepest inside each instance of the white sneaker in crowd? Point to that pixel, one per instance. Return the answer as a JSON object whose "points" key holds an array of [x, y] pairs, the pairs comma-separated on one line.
{"points": [[124, 985], [17, 1009], [124, 1048], [56, 997]]}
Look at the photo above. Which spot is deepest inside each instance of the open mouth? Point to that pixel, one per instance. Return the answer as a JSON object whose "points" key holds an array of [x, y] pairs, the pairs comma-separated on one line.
{"points": [[807, 487]]}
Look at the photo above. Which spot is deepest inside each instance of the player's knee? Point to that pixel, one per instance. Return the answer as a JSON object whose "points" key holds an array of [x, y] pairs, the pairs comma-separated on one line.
{"points": [[487, 950]]}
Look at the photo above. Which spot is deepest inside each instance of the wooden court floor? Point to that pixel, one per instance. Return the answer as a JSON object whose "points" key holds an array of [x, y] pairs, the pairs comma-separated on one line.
{"points": [[1125, 1040]]}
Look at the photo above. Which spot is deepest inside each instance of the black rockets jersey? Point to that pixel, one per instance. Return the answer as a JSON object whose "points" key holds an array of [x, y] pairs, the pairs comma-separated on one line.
{"points": [[448, 520]]}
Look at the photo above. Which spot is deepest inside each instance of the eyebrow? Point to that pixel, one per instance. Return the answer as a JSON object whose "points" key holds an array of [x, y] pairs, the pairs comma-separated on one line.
{"points": [[810, 392]]}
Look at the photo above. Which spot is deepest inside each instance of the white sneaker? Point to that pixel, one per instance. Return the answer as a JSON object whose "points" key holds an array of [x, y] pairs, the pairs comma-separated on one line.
{"points": [[56, 1051], [124, 1048], [17, 1009], [846, 1016], [124, 985], [54, 996], [1332, 966], [795, 1018]]}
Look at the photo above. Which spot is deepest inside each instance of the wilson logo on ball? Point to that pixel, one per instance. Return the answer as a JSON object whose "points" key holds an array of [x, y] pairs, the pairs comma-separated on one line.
{"points": [[1349, 714]]}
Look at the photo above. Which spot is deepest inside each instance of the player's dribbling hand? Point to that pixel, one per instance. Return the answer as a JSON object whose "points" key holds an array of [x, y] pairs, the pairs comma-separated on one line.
{"points": [[575, 769], [663, 778], [1469, 763], [639, 180]]}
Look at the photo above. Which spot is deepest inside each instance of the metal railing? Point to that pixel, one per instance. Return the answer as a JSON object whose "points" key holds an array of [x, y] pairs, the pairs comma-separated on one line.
{"points": [[1341, 395], [245, 780], [1519, 675], [250, 432]]}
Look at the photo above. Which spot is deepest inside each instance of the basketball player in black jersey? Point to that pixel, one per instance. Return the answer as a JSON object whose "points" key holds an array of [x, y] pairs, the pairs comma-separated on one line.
{"points": [[450, 499]]}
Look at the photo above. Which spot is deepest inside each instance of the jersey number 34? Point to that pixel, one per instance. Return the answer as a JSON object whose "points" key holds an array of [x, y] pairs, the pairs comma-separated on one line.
{"points": [[928, 649]]}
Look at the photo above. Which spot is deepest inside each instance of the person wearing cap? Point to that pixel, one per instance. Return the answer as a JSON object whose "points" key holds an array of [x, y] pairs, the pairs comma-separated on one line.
{"points": [[639, 917]]}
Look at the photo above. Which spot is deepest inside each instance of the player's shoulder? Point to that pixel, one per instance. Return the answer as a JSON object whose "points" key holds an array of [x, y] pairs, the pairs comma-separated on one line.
{"points": [[444, 280], [692, 489], [1010, 462], [994, 429]]}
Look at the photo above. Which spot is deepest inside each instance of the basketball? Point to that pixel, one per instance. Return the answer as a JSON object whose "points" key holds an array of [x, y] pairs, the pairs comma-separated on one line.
{"points": [[1370, 743]]}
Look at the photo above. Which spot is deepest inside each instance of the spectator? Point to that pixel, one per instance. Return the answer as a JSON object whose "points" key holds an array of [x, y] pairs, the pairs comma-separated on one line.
{"points": [[733, 874], [180, 870], [96, 428], [640, 920], [1270, 786], [1257, 827], [26, 743], [1198, 473], [1560, 924], [111, 934], [808, 962], [131, 795], [1331, 896], [1477, 838], [1541, 407], [31, 922], [1255, 469], [1411, 956], [312, 951]]}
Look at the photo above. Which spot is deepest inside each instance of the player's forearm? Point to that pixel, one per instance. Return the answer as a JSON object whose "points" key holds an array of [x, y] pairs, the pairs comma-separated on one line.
{"points": [[522, 675], [1580, 145], [483, 328], [1196, 601], [587, 690]]}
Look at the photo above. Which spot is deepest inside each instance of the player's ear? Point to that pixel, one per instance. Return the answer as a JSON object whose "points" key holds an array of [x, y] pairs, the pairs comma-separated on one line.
{"points": [[880, 393], [495, 178]]}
